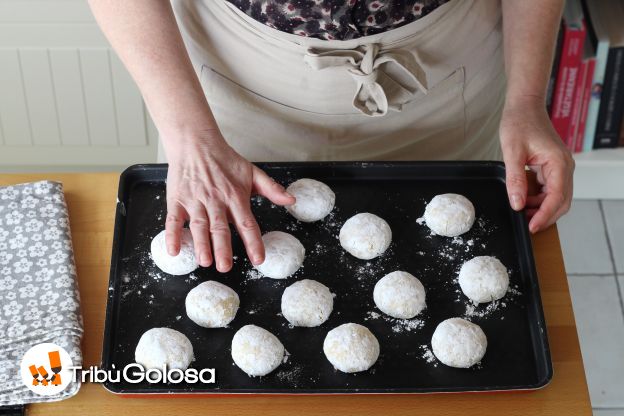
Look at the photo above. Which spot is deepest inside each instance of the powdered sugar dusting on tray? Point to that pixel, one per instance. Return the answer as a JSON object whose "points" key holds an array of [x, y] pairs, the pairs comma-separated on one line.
{"points": [[482, 310], [475, 310], [253, 274], [293, 376], [398, 325], [407, 325], [428, 355], [367, 270]]}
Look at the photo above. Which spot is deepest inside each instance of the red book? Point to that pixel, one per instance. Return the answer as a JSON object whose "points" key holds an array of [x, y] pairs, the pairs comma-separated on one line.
{"points": [[576, 108], [580, 133], [567, 78]]}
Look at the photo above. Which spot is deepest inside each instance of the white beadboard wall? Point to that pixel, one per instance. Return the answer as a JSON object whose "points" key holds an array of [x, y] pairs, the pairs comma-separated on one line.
{"points": [[66, 101]]}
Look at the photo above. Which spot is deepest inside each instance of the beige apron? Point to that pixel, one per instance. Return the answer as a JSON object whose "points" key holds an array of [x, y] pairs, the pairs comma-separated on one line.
{"points": [[432, 89]]}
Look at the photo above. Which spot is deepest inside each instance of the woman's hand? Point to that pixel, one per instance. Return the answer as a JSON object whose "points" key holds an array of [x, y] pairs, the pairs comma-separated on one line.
{"points": [[210, 185], [528, 138]]}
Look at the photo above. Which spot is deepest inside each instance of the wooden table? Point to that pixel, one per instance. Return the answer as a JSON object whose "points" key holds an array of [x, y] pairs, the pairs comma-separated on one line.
{"points": [[91, 199]]}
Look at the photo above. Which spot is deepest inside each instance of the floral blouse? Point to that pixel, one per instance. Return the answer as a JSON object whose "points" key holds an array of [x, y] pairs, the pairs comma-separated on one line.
{"points": [[336, 19]]}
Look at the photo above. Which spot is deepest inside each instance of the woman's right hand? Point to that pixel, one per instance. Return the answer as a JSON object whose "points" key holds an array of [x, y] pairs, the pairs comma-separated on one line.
{"points": [[210, 185]]}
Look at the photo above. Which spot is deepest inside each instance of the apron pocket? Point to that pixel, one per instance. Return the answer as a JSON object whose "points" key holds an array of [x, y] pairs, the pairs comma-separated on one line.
{"points": [[217, 86], [264, 129]]}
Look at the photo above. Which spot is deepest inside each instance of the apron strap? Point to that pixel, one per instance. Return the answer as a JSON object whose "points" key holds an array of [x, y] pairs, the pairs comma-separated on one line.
{"points": [[385, 80]]}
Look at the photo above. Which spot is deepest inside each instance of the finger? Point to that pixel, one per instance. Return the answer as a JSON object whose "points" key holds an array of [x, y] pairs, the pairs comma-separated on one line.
{"points": [[200, 230], [173, 226], [515, 179], [565, 207], [220, 236], [554, 201], [539, 173], [264, 185], [534, 201], [546, 224], [530, 212], [249, 230]]}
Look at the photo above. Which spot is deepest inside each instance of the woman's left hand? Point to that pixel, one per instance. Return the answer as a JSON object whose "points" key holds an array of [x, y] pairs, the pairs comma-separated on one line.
{"points": [[529, 139]]}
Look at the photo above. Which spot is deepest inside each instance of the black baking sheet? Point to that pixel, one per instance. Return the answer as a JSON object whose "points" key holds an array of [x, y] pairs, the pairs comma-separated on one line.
{"points": [[142, 297]]}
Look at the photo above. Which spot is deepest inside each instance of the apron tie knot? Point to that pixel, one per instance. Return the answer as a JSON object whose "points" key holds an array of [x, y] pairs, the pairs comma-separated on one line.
{"points": [[365, 78], [385, 80]]}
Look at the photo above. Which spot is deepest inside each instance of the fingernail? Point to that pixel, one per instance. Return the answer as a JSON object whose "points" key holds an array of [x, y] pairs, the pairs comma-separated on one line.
{"points": [[516, 202], [222, 265], [204, 260], [257, 260]]}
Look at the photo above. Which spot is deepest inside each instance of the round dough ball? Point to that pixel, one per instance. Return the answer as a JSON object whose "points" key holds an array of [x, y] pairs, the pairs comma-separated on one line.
{"points": [[483, 279], [315, 200], [164, 346], [256, 351], [351, 348], [183, 263], [212, 304], [307, 303], [400, 295], [365, 236], [284, 255], [458, 343], [449, 215]]}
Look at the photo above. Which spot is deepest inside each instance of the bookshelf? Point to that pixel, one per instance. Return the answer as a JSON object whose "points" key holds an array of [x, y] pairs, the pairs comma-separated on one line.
{"points": [[586, 95], [599, 174]]}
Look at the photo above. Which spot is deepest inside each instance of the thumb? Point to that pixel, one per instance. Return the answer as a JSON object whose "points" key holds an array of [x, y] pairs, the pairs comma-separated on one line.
{"points": [[515, 178], [265, 185]]}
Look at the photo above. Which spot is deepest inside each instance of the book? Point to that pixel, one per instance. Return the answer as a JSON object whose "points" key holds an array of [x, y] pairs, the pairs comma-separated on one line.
{"points": [[574, 33], [584, 91], [579, 144], [552, 81], [598, 37], [605, 32], [575, 116], [612, 101], [621, 141]]}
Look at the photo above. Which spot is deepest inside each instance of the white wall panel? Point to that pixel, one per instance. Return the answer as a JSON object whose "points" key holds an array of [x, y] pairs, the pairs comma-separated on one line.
{"points": [[70, 102], [65, 98], [1, 133], [40, 96], [98, 91], [45, 11], [13, 108], [129, 106], [26, 35]]}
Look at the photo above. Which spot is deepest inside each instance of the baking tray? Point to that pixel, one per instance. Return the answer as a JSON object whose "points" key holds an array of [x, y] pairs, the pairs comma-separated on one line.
{"points": [[141, 297]]}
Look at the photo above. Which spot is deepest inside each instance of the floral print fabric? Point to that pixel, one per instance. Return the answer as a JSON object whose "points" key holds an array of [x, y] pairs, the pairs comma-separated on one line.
{"points": [[39, 298], [336, 19]]}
